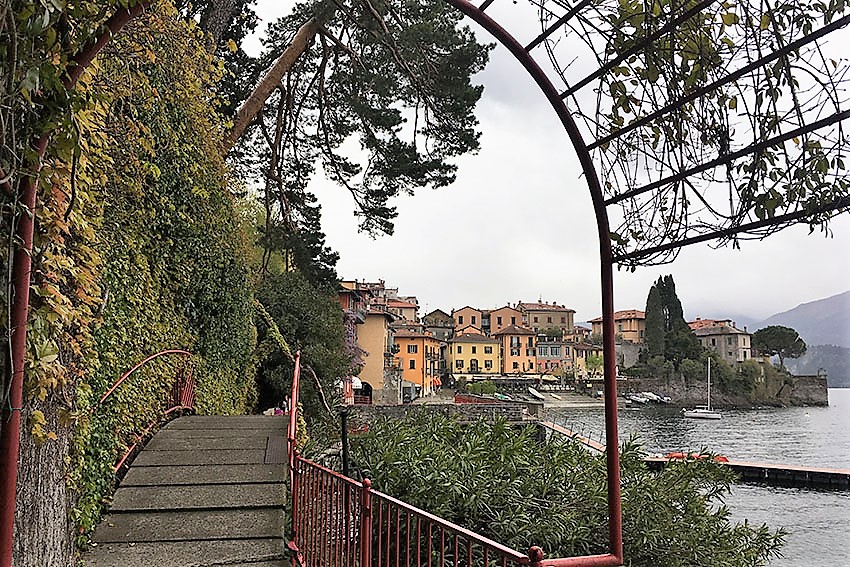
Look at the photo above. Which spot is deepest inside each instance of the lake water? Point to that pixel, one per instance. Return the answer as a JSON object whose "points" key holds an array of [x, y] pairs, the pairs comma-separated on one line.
{"points": [[818, 521]]}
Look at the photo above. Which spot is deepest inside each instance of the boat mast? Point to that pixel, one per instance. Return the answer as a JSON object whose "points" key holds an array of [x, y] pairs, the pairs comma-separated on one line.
{"points": [[709, 384]]}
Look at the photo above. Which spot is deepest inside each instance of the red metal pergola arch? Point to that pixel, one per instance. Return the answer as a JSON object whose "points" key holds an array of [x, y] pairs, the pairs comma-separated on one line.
{"points": [[612, 454], [671, 180]]}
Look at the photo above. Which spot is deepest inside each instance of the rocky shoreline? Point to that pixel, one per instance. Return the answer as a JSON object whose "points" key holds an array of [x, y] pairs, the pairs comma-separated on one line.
{"points": [[791, 391]]}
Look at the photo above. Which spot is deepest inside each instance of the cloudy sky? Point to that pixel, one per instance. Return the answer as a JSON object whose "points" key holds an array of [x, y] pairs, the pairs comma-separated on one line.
{"points": [[518, 225]]}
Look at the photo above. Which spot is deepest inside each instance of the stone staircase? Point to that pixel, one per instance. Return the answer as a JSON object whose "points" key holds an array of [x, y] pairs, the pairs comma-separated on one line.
{"points": [[204, 491]]}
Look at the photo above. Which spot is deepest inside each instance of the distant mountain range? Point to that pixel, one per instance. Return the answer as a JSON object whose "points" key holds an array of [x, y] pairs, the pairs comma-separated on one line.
{"points": [[822, 322], [825, 326]]}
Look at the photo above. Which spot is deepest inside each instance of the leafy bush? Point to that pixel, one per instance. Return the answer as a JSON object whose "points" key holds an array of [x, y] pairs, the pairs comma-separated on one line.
{"points": [[485, 388], [500, 482]]}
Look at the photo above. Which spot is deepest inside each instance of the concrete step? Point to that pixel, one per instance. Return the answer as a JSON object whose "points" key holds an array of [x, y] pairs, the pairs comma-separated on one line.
{"points": [[199, 474], [166, 443], [253, 552], [177, 458], [139, 527], [208, 422], [218, 433], [209, 496]]}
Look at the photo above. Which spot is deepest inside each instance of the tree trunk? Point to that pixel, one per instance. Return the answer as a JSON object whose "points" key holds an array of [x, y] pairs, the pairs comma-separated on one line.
{"points": [[216, 19], [43, 527], [252, 106]]}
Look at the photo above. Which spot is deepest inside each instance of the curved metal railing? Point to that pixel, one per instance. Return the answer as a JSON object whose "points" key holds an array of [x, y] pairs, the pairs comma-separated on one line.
{"points": [[181, 396]]}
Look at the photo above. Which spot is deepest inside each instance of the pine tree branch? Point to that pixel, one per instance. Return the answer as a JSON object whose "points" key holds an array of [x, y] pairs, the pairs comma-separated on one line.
{"points": [[248, 111]]}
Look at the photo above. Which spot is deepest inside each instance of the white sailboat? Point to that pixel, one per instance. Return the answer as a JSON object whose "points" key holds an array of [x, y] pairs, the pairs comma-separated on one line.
{"points": [[704, 412]]}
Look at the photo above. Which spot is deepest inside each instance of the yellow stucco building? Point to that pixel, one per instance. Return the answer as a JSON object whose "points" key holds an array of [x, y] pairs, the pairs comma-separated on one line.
{"points": [[474, 353], [375, 337]]}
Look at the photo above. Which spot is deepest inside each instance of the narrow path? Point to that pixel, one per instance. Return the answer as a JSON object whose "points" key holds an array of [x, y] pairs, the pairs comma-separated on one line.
{"points": [[204, 491]]}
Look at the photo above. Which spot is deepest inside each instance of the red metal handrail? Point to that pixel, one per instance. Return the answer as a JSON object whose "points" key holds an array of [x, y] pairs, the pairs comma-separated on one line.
{"points": [[182, 396], [337, 520], [340, 521]]}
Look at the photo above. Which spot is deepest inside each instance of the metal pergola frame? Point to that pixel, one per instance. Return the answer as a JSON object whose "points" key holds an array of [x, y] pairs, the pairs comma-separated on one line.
{"points": [[22, 262], [608, 258]]}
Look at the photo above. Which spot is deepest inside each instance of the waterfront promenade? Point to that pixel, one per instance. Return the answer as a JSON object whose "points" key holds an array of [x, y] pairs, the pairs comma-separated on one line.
{"points": [[206, 490]]}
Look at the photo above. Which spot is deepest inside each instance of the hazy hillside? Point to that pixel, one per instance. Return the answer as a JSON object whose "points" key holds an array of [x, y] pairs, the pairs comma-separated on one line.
{"points": [[822, 322], [834, 359]]}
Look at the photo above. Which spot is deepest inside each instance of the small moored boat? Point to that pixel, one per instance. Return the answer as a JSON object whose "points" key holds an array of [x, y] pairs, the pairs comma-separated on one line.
{"points": [[703, 412]]}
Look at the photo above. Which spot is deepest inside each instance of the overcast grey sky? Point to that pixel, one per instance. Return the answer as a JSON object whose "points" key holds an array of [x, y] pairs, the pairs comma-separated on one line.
{"points": [[518, 225]]}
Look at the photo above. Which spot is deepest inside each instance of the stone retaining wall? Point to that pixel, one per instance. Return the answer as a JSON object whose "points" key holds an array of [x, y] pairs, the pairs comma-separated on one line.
{"points": [[465, 412]]}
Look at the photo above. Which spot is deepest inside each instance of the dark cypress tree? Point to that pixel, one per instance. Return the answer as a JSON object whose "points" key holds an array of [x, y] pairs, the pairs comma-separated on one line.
{"points": [[654, 335], [667, 333]]}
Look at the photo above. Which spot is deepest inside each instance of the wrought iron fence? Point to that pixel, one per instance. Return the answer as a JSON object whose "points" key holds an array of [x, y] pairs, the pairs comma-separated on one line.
{"points": [[338, 521]]}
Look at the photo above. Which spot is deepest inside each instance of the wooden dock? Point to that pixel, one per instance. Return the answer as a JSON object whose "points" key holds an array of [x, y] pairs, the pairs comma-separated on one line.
{"points": [[797, 476]]}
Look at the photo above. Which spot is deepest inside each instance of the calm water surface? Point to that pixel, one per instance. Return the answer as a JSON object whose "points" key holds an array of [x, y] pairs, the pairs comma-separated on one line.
{"points": [[819, 521]]}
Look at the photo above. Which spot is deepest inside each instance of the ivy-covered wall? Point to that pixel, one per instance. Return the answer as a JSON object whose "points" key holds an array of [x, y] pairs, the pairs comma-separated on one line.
{"points": [[173, 245], [140, 246]]}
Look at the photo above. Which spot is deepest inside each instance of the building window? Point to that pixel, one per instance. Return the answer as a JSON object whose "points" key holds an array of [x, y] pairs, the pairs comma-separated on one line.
{"points": [[459, 349], [458, 364], [513, 320], [412, 349], [620, 327], [514, 342], [713, 342], [473, 319], [555, 351], [413, 364], [728, 340], [516, 365], [488, 350], [563, 319], [499, 321], [535, 319], [530, 341], [514, 352], [529, 352], [544, 351], [460, 319], [488, 364], [548, 319], [474, 349]]}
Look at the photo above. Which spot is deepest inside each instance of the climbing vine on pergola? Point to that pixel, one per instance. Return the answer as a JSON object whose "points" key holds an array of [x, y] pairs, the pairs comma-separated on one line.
{"points": [[707, 120]]}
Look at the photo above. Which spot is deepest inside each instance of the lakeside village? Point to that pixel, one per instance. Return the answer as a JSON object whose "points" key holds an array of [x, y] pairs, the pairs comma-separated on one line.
{"points": [[538, 345]]}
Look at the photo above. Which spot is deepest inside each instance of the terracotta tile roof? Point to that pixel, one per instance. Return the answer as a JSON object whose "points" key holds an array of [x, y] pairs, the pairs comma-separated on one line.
{"points": [[702, 323], [541, 306], [720, 330], [466, 307], [400, 304], [622, 315], [514, 330], [473, 338]]}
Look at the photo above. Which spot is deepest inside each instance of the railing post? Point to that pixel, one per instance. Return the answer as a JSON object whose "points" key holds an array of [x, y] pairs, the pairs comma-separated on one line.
{"points": [[366, 524], [535, 556]]}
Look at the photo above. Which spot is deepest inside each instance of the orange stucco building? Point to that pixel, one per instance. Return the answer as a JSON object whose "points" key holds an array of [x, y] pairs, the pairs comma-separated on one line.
{"points": [[518, 348], [419, 358]]}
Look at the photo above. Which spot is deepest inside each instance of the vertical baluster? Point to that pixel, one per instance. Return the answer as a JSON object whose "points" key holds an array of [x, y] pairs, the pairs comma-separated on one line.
{"points": [[397, 537]]}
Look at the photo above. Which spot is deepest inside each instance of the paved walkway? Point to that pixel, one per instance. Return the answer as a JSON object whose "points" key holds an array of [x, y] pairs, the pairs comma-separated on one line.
{"points": [[204, 491]]}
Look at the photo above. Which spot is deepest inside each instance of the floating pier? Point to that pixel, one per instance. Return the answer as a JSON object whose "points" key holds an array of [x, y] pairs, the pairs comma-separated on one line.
{"points": [[796, 476]]}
